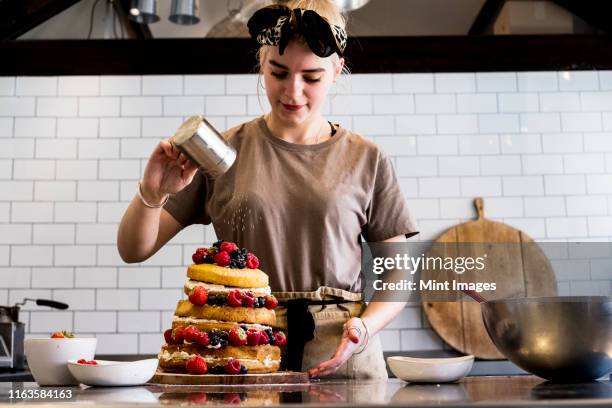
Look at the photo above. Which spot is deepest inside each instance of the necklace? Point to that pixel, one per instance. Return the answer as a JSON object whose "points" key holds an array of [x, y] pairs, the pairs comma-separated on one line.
{"points": [[333, 129]]}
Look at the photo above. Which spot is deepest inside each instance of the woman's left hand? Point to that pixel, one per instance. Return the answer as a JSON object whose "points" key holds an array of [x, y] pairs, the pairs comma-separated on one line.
{"points": [[353, 339]]}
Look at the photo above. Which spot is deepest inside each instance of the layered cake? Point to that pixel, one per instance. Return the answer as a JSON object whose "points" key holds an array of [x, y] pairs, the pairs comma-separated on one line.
{"points": [[225, 326]]}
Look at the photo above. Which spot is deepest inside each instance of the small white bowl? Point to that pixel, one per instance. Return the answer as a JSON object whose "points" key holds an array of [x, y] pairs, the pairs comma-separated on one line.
{"points": [[430, 370], [47, 358], [114, 373]]}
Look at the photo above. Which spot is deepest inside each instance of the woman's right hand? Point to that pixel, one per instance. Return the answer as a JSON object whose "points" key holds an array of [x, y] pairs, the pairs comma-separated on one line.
{"points": [[168, 171]]}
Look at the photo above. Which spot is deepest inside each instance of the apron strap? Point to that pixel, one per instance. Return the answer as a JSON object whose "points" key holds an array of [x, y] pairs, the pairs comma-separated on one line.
{"points": [[300, 327]]}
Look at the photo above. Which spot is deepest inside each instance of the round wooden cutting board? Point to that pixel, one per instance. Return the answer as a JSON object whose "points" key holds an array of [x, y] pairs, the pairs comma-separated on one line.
{"points": [[280, 377], [520, 271]]}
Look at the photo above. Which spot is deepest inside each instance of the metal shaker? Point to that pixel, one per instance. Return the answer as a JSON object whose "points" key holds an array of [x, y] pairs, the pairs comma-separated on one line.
{"points": [[197, 139]]}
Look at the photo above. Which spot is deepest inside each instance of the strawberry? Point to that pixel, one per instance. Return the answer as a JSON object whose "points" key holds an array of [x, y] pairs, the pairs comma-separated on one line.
{"points": [[232, 366], [234, 298], [252, 337], [271, 302], [168, 336], [82, 361], [202, 338], [88, 362], [232, 398], [248, 299], [198, 296], [251, 261], [196, 365], [190, 333], [223, 259], [280, 339], [263, 338], [177, 335], [199, 255], [237, 337], [62, 335], [228, 247]]}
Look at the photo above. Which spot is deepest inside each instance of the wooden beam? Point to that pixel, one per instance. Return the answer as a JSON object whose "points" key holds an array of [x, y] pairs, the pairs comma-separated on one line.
{"points": [[17, 17], [364, 55], [486, 16]]}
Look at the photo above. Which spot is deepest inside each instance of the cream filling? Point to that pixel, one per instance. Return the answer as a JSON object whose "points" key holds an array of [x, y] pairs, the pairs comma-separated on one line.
{"points": [[193, 320], [183, 355], [221, 289]]}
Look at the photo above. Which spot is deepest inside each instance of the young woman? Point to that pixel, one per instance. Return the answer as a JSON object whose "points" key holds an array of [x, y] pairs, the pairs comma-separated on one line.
{"points": [[301, 195]]}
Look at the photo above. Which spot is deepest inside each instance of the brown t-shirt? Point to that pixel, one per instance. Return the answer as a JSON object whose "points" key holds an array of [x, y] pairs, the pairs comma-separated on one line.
{"points": [[302, 209]]}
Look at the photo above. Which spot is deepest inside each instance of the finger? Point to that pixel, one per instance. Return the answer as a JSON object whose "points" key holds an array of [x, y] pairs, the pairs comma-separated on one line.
{"points": [[182, 159], [353, 334], [191, 166]]}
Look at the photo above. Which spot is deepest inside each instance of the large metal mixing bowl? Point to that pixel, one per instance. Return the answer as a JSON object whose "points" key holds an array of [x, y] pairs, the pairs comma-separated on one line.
{"points": [[558, 338]]}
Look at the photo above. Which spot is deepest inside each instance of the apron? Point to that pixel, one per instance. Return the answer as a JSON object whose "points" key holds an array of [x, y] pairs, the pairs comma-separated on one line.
{"points": [[318, 317]]}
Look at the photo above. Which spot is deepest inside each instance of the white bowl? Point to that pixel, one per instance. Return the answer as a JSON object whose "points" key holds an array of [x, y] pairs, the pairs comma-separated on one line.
{"points": [[114, 373], [430, 370], [47, 358]]}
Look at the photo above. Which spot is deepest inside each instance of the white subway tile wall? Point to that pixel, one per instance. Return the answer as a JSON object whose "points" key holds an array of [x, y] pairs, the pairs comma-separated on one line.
{"points": [[536, 145]]}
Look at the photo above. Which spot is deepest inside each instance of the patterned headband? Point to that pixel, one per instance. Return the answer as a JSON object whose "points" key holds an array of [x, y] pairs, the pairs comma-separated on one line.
{"points": [[275, 25]]}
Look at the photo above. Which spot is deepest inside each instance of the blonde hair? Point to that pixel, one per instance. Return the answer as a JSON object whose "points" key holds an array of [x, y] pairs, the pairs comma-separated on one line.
{"points": [[325, 8]]}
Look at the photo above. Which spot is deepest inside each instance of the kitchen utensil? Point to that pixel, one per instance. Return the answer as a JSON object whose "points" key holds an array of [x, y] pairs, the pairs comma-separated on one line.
{"points": [[558, 338], [522, 270], [47, 358], [281, 377], [12, 333], [430, 370], [114, 373], [204, 145]]}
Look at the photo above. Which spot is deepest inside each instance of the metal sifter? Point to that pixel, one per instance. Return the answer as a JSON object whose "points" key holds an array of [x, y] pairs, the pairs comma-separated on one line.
{"points": [[197, 139]]}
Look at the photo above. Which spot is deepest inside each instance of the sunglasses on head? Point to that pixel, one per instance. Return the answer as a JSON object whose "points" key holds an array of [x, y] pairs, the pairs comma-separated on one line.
{"points": [[276, 25]]}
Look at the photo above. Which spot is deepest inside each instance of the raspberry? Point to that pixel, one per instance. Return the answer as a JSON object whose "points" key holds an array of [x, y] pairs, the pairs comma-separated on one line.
{"points": [[177, 335], [198, 296], [228, 247], [263, 338], [199, 255], [248, 299], [223, 259], [168, 336], [271, 302], [196, 365], [201, 338], [190, 333], [251, 261], [237, 337], [280, 339], [234, 298], [88, 362], [252, 337], [82, 361], [232, 366]]}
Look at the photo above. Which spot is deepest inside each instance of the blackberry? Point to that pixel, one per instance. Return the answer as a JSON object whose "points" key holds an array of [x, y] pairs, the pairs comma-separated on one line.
{"points": [[218, 244], [238, 259], [214, 339], [223, 335], [209, 259], [244, 251], [271, 336], [261, 301], [215, 300], [243, 370], [218, 369]]}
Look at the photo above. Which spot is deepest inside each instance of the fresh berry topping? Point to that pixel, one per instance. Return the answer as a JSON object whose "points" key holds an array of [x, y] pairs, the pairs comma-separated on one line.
{"points": [[201, 338], [263, 338], [197, 398], [216, 300], [244, 370], [82, 361], [196, 365], [88, 362], [248, 299], [232, 398], [218, 369], [280, 339], [271, 302], [252, 262], [270, 335], [232, 366], [177, 335], [217, 338], [218, 244], [253, 337], [62, 335], [223, 259], [238, 259], [237, 337], [228, 247], [190, 333], [261, 302], [198, 296], [234, 298], [199, 255], [168, 336]]}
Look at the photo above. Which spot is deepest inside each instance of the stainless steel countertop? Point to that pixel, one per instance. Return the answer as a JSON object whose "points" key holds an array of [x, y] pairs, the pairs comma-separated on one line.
{"points": [[502, 391]]}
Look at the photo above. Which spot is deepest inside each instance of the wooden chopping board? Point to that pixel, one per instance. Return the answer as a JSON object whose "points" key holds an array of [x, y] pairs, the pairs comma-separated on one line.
{"points": [[280, 377], [520, 271]]}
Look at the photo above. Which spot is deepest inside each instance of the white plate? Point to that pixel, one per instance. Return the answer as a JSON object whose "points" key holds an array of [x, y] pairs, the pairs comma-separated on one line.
{"points": [[114, 373], [430, 370]]}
